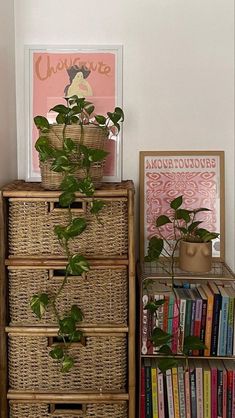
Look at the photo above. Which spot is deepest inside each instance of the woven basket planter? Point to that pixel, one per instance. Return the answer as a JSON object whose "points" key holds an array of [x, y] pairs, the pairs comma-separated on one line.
{"points": [[101, 293], [99, 366], [32, 222], [92, 410], [92, 137]]}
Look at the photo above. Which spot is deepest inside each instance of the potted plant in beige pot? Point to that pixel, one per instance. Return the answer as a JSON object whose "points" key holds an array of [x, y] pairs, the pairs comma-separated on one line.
{"points": [[75, 143]]}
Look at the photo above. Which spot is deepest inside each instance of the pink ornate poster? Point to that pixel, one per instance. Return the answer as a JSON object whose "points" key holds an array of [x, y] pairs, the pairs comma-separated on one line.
{"points": [[197, 176], [93, 72]]}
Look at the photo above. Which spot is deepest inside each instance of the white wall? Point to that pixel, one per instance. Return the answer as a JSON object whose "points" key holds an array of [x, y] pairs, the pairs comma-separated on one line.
{"points": [[8, 161], [178, 71]]}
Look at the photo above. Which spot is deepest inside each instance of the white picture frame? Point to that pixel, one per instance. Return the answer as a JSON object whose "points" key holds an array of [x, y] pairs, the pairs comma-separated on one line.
{"points": [[69, 54]]}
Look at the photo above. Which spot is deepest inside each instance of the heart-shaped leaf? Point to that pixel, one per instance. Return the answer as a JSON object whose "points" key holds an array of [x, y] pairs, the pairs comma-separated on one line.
{"points": [[67, 364], [77, 265], [39, 303], [176, 203], [57, 353]]}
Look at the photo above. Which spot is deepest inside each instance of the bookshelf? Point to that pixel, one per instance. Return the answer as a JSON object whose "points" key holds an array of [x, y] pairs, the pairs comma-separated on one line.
{"points": [[152, 278]]}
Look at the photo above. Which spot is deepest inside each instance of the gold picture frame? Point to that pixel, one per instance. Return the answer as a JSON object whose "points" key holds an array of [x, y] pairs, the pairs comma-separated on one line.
{"points": [[165, 175]]}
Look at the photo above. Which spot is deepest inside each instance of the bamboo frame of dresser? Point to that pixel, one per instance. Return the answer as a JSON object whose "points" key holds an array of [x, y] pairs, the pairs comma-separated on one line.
{"points": [[12, 191]]}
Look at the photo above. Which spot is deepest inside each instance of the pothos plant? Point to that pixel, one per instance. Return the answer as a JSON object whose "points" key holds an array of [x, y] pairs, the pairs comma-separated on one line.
{"points": [[66, 160], [184, 226]]}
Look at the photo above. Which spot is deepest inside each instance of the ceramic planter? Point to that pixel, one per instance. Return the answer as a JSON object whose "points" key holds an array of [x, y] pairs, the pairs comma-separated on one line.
{"points": [[195, 257]]}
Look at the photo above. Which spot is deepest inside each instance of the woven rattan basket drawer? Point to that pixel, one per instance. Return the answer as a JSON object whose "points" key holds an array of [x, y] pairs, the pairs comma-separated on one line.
{"points": [[101, 293], [99, 366], [32, 222], [92, 410]]}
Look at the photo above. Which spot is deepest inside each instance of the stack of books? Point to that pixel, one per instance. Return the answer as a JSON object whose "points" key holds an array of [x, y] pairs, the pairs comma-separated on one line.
{"points": [[203, 389], [205, 310]]}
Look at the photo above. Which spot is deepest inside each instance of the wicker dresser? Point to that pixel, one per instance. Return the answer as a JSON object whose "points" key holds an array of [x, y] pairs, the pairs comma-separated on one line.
{"points": [[102, 382]]}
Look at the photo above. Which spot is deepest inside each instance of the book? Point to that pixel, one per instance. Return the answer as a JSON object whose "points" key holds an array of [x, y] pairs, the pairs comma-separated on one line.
{"points": [[181, 390], [198, 365], [198, 317], [192, 379], [213, 366], [160, 394], [229, 365], [182, 309], [230, 330], [148, 389], [187, 394], [223, 325], [209, 317], [154, 390], [142, 394], [206, 390], [203, 320], [175, 392], [175, 325], [216, 317], [170, 398]]}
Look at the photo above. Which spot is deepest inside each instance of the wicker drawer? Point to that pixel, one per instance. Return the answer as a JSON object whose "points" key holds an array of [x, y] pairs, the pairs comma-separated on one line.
{"points": [[99, 366], [92, 410], [101, 293], [32, 222]]}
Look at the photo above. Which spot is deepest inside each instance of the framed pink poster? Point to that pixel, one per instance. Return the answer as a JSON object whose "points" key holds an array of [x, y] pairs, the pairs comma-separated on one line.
{"points": [[52, 73], [196, 175]]}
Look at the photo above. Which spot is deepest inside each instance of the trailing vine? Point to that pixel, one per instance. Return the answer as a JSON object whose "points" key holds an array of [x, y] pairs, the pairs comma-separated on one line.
{"points": [[163, 251], [66, 160]]}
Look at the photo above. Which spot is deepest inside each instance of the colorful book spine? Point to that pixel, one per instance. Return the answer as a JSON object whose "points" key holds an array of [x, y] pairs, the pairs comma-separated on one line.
{"points": [[193, 312], [222, 343], [148, 394], [160, 393], [181, 391], [142, 399], [225, 387], [213, 367], [197, 321], [175, 326], [170, 398], [170, 313], [230, 325], [154, 392], [181, 325], [165, 313], [175, 392], [192, 377], [207, 392], [215, 323], [199, 390], [229, 393], [203, 324], [219, 393], [188, 315], [187, 395], [209, 317]]}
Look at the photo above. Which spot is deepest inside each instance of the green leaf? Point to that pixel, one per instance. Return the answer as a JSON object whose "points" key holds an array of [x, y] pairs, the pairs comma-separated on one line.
{"points": [[97, 206], [61, 163], [67, 364], [176, 203], [183, 230], [74, 119], [194, 225], [77, 265], [76, 227], [69, 145], [167, 363], [39, 303], [155, 248], [120, 112], [66, 198], [162, 220], [201, 210], [153, 306], [44, 148], [69, 184], [76, 313], [193, 343], [89, 108], [165, 349], [100, 119], [61, 118], [160, 337], [60, 109], [86, 187], [97, 155], [57, 353], [42, 123], [183, 214], [76, 336], [67, 325], [114, 116], [60, 231]]}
